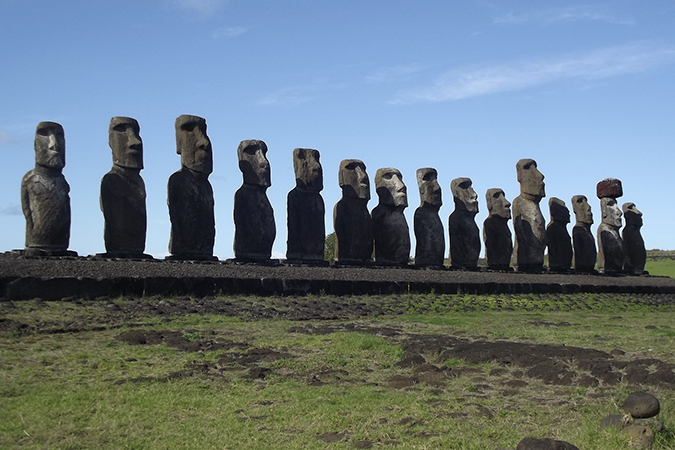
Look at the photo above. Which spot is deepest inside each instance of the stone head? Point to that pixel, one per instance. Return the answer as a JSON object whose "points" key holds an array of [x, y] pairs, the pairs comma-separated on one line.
{"points": [[253, 162], [50, 145], [390, 187], [308, 170], [125, 142], [497, 204], [530, 179], [353, 179], [559, 211], [611, 214], [582, 210], [463, 194], [193, 145], [430, 190], [632, 215]]}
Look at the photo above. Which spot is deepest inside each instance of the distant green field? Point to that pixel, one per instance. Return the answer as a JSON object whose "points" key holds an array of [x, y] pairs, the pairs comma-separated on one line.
{"points": [[661, 266]]}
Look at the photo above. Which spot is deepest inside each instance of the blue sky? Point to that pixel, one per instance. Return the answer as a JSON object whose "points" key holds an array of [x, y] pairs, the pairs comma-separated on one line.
{"points": [[468, 87]]}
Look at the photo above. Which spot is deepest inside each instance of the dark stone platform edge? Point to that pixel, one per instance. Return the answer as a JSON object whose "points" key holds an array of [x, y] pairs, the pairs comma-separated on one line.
{"points": [[24, 288]]}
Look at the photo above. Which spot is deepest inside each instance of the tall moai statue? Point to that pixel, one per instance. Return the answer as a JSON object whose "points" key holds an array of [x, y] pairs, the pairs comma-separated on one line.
{"points": [[528, 222], [351, 221], [585, 253], [122, 198], [633, 243], [558, 238], [254, 225], [190, 195], [463, 231], [306, 209], [390, 228], [611, 254], [45, 198], [496, 233], [427, 224]]}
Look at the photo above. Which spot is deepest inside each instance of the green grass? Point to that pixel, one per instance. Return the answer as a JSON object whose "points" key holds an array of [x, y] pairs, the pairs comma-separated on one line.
{"points": [[664, 267]]}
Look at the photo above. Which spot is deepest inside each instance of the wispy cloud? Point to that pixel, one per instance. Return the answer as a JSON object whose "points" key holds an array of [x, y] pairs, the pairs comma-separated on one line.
{"points": [[299, 94], [7, 139], [203, 7], [11, 210], [576, 13], [476, 81], [395, 73], [228, 32]]}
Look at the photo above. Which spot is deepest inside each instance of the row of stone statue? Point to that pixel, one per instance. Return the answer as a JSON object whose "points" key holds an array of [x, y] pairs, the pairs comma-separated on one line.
{"points": [[359, 234]]}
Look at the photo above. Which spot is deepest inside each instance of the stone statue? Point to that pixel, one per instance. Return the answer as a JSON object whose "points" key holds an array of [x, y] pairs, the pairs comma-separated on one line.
{"points": [[45, 198], [464, 233], [390, 228], [123, 192], [351, 220], [190, 195], [585, 254], [634, 245], [428, 227], [611, 254], [254, 226], [306, 209], [528, 222], [496, 233], [558, 239]]}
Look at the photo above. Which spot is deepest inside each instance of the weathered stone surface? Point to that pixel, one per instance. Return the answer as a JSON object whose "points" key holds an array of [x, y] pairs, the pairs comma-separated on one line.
{"points": [[496, 233], [352, 223], [428, 227], [611, 253], [641, 405], [123, 192], [633, 243], [306, 208], [462, 228], [254, 225], [641, 437], [585, 253], [45, 198], [528, 221], [390, 227], [529, 443], [190, 195], [558, 239], [616, 421], [609, 187]]}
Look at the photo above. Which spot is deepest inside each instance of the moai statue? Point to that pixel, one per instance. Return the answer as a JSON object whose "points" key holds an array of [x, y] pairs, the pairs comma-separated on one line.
{"points": [[496, 233], [634, 245], [45, 198], [611, 254], [464, 233], [254, 226], [558, 239], [351, 220], [123, 192], [585, 254], [390, 228], [427, 224], [528, 222], [306, 209], [190, 195]]}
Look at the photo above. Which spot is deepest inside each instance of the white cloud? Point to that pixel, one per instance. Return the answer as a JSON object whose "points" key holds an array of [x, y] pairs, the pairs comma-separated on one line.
{"points": [[12, 210], [575, 13], [297, 95], [204, 7], [228, 32], [603, 63], [395, 73], [6, 139]]}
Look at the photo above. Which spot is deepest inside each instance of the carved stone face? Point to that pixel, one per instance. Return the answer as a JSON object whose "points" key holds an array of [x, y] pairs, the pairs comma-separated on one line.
{"points": [[611, 214], [253, 163], [530, 179], [632, 214], [193, 145], [582, 210], [353, 179], [50, 145], [125, 141], [308, 170], [390, 187], [430, 190], [464, 195], [559, 211], [497, 203]]}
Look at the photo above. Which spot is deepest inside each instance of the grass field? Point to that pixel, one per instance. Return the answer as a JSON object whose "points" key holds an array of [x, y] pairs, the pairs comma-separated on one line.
{"points": [[108, 375]]}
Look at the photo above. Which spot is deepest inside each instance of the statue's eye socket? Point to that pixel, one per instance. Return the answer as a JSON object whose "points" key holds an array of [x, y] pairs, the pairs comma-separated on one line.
{"points": [[190, 126], [43, 132], [429, 176], [496, 195], [121, 128]]}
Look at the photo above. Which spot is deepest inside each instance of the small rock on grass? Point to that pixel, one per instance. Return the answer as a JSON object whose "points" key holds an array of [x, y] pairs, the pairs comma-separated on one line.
{"points": [[529, 443], [640, 436], [641, 405]]}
